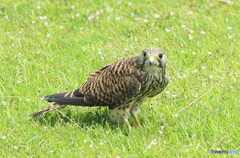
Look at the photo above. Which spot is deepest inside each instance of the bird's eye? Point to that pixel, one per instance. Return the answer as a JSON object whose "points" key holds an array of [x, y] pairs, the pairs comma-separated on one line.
{"points": [[144, 54], [161, 55]]}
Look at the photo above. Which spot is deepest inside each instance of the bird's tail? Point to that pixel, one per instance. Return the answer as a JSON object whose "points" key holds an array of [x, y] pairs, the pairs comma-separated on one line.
{"points": [[67, 98], [61, 100]]}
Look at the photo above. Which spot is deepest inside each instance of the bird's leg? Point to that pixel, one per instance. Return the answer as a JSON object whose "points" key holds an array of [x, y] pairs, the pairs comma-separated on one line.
{"points": [[137, 122]]}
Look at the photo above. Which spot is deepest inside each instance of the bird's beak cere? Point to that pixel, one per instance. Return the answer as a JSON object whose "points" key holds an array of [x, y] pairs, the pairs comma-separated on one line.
{"points": [[152, 60]]}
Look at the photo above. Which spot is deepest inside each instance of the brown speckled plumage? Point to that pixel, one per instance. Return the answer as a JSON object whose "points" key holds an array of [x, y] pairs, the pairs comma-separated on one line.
{"points": [[122, 86]]}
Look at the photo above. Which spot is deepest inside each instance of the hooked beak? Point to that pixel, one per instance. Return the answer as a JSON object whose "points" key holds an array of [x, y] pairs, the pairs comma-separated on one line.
{"points": [[152, 60]]}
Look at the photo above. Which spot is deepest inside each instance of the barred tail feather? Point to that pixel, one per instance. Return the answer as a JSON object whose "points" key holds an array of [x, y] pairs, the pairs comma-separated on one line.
{"points": [[48, 109], [61, 100]]}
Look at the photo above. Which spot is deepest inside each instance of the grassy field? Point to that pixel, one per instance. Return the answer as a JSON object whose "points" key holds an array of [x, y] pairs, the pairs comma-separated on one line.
{"points": [[52, 46]]}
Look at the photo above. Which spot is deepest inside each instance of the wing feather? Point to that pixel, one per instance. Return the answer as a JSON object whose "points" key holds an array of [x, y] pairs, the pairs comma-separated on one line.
{"points": [[114, 84]]}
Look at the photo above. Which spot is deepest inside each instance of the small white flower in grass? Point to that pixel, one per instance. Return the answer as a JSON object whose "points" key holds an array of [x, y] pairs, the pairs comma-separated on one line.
{"points": [[190, 37], [77, 15], [118, 156], [12, 44], [51, 151], [123, 52], [15, 147], [99, 52], [107, 132], [90, 17], [48, 35], [102, 58], [229, 28], [119, 2], [103, 119], [171, 13], [151, 106], [145, 20], [152, 24], [183, 26], [7, 32], [3, 137], [167, 30], [191, 31], [90, 145], [230, 36], [19, 81], [154, 142], [118, 18], [45, 128], [229, 2], [87, 10], [19, 32], [28, 99], [6, 17], [137, 18], [132, 14], [190, 144], [81, 28], [129, 3], [85, 140], [46, 23], [156, 16], [42, 17], [194, 53], [202, 32], [203, 67], [97, 13], [173, 95], [38, 7], [189, 13], [196, 96], [43, 72], [227, 19], [176, 115], [33, 22], [110, 9], [185, 96], [209, 53], [126, 50], [156, 39], [231, 87], [72, 7], [211, 5], [61, 120], [210, 76], [61, 27], [194, 71], [193, 135], [161, 127], [160, 131]]}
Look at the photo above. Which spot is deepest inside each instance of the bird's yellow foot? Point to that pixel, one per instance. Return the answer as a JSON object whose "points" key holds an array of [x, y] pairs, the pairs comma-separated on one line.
{"points": [[128, 125], [138, 123]]}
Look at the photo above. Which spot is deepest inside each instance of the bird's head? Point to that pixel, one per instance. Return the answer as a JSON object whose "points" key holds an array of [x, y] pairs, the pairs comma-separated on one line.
{"points": [[152, 58]]}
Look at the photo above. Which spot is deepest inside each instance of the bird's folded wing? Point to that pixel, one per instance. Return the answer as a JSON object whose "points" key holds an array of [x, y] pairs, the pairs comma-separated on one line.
{"points": [[112, 86]]}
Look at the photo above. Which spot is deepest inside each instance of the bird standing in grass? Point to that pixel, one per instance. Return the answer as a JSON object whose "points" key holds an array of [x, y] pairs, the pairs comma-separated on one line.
{"points": [[121, 86]]}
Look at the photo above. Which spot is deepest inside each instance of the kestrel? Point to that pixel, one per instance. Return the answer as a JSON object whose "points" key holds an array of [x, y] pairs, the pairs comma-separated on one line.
{"points": [[121, 86]]}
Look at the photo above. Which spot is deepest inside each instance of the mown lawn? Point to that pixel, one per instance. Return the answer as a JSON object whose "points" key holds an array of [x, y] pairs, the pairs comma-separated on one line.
{"points": [[52, 46]]}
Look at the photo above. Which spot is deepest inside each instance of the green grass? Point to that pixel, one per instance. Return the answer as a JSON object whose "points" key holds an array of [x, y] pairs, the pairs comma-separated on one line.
{"points": [[49, 46]]}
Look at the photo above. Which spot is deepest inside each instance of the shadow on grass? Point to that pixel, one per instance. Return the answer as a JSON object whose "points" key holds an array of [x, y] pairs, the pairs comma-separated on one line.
{"points": [[85, 119]]}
